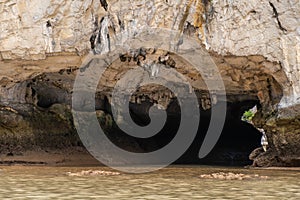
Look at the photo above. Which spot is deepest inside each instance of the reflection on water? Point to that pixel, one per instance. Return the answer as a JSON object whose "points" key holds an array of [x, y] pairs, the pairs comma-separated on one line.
{"points": [[177, 182]]}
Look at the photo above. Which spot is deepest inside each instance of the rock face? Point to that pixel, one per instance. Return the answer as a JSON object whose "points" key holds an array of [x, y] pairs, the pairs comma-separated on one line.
{"points": [[255, 45], [242, 28]]}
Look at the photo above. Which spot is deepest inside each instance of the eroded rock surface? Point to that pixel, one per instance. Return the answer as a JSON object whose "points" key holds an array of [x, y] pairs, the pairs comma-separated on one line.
{"points": [[255, 45]]}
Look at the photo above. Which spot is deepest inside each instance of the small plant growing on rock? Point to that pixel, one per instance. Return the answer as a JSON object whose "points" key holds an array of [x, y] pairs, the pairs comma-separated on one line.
{"points": [[249, 114]]}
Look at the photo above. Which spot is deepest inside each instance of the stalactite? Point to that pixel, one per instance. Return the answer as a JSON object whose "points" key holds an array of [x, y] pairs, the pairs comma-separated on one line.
{"points": [[103, 39], [104, 4], [94, 35]]}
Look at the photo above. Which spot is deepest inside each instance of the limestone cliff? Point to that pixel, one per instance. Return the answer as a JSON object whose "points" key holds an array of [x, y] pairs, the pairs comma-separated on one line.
{"points": [[255, 44]]}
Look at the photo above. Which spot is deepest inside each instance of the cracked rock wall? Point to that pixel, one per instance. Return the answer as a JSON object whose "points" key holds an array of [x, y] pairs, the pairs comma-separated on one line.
{"points": [[261, 27], [32, 29]]}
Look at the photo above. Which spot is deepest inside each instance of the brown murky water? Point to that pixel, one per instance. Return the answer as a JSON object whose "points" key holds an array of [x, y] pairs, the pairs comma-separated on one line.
{"points": [[176, 182]]}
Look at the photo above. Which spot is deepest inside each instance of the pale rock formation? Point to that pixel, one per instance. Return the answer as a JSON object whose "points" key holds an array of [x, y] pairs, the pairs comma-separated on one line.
{"points": [[241, 28], [255, 44], [253, 28]]}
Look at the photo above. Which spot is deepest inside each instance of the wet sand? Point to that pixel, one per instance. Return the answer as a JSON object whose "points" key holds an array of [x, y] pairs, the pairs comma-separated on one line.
{"points": [[66, 157], [79, 157]]}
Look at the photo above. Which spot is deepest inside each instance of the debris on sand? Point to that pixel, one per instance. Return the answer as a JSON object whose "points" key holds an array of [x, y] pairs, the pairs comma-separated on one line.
{"points": [[93, 173], [231, 176]]}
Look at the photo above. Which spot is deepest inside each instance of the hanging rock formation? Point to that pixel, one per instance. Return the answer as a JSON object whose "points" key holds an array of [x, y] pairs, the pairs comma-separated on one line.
{"points": [[255, 45]]}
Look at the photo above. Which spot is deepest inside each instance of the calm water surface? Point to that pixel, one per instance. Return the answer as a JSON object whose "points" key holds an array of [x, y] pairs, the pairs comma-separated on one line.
{"points": [[176, 182]]}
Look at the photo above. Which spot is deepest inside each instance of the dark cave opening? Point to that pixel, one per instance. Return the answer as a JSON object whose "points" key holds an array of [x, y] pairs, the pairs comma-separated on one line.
{"points": [[246, 87], [238, 139]]}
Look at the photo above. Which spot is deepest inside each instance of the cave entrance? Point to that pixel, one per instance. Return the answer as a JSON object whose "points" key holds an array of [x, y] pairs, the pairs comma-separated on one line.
{"points": [[249, 81], [238, 139]]}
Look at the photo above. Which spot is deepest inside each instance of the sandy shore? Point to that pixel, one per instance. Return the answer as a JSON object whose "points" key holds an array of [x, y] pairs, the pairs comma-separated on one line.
{"points": [[67, 157], [77, 157], [279, 168]]}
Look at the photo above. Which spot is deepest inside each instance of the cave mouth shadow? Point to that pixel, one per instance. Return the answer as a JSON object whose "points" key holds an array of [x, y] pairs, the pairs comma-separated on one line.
{"points": [[238, 138]]}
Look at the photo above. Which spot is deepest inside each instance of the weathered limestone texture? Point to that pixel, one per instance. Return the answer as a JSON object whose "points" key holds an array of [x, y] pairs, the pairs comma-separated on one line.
{"points": [[267, 28], [254, 43], [31, 29]]}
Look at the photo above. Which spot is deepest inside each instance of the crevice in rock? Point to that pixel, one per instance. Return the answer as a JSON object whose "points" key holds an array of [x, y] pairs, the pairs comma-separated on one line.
{"points": [[48, 24], [277, 17], [104, 4], [121, 23], [100, 39], [95, 31], [209, 12]]}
